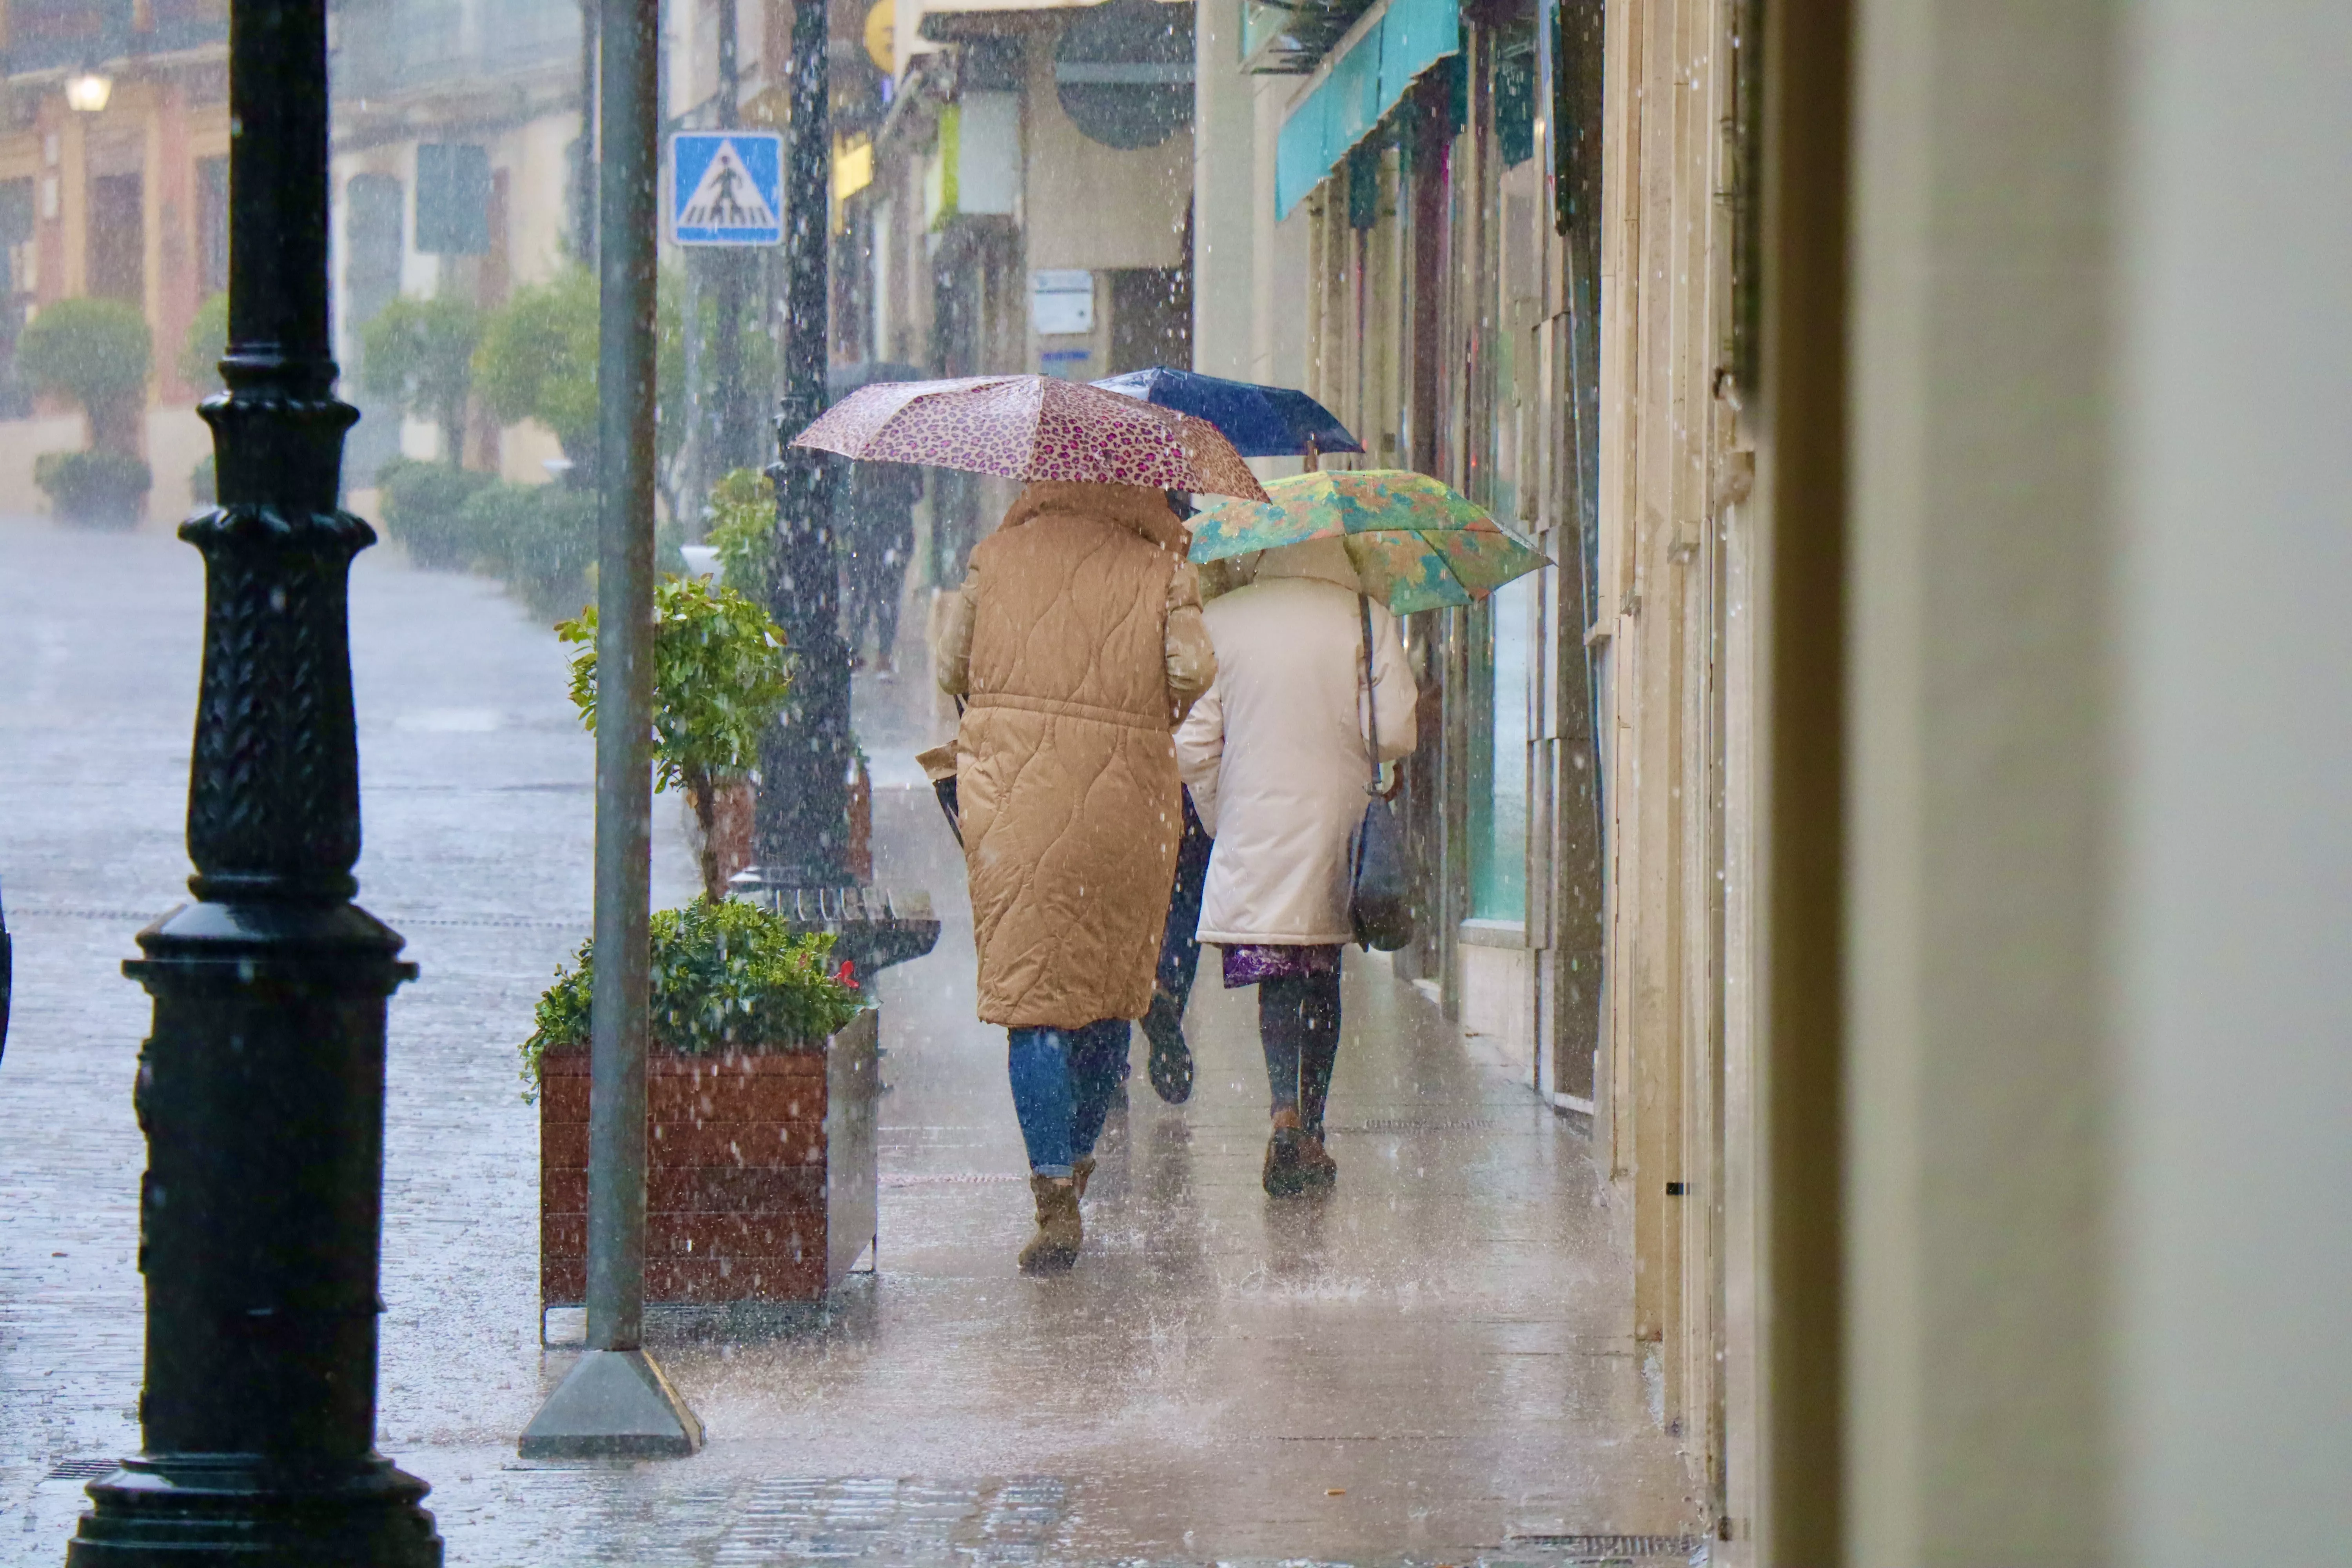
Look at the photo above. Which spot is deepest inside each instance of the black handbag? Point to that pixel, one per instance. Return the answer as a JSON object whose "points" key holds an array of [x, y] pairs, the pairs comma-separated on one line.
{"points": [[1379, 885]]}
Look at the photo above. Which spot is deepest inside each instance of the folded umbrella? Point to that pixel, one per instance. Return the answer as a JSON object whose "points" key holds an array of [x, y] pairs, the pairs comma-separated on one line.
{"points": [[1260, 421], [1416, 544], [1033, 428]]}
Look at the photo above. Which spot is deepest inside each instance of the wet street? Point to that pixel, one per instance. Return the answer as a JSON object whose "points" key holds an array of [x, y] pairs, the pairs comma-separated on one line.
{"points": [[1435, 1364]]}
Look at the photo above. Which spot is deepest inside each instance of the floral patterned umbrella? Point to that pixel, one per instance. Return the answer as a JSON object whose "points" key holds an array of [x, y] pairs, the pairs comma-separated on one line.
{"points": [[1033, 428], [1415, 543]]}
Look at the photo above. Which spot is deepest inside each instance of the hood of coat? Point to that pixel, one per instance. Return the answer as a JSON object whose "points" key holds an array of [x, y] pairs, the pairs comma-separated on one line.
{"points": [[1132, 507], [1317, 560]]}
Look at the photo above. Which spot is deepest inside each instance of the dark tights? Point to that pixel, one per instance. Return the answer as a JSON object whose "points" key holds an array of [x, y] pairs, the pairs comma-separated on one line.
{"points": [[1299, 1020]]}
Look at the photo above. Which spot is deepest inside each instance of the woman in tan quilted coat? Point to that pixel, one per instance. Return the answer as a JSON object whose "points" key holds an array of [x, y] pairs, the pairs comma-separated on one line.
{"points": [[1077, 644]]}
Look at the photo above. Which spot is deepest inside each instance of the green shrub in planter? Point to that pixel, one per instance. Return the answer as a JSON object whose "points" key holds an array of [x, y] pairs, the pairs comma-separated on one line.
{"points": [[424, 506], [99, 490], [99, 353], [727, 977], [721, 677]]}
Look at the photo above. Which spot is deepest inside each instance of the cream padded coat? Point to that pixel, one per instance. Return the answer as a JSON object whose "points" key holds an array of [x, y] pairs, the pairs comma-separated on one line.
{"points": [[1275, 755]]}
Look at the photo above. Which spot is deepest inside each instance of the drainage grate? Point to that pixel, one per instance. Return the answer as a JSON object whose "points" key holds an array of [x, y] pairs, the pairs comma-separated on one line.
{"points": [[1688, 1547], [1419, 1125], [81, 1469], [954, 1179]]}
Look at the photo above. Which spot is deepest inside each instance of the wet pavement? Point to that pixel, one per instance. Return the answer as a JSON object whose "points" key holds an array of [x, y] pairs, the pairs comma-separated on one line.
{"points": [[1435, 1364]]}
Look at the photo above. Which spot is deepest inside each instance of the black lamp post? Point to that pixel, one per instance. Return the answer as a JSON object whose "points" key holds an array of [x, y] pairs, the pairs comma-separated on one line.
{"points": [[261, 1086], [804, 808]]}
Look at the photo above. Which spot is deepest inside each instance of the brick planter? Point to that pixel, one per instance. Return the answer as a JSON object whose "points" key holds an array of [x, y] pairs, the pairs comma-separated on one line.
{"points": [[760, 1171]]}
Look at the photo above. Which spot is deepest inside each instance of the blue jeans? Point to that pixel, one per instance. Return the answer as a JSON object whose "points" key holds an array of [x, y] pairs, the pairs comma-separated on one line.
{"points": [[1063, 1083], [1180, 943]]}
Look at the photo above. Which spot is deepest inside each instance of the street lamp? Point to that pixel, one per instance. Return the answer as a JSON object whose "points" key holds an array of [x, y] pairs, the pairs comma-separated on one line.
{"points": [[804, 803], [87, 91], [260, 1086]]}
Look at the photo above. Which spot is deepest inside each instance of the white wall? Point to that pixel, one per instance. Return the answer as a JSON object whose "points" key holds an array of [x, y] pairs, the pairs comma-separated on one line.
{"points": [[2100, 965], [2233, 920]]}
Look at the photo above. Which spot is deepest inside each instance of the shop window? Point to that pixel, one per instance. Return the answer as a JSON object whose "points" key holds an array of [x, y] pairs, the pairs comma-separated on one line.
{"points": [[1498, 755], [1514, 98]]}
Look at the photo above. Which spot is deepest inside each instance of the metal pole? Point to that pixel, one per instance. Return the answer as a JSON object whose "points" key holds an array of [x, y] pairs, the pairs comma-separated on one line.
{"points": [[625, 688], [803, 817], [583, 167], [733, 426], [261, 1086], [615, 1401]]}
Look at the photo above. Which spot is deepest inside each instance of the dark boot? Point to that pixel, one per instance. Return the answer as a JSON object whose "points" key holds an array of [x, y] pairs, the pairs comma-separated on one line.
{"points": [[1171, 1059], [1055, 1246], [1316, 1166], [1284, 1175], [1081, 1173]]}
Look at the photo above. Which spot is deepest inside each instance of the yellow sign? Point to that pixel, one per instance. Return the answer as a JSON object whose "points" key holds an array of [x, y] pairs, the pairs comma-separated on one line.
{"points": [[853, 171], [882, 37]]}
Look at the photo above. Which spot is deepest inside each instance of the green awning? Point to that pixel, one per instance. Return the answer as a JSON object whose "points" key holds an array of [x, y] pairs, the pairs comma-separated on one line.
{"points": [[1401, 41]]}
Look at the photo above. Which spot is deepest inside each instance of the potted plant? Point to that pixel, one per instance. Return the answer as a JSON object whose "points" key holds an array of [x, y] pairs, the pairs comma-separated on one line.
{"points": [[720, 678], [761, 1086], [98, 352]]}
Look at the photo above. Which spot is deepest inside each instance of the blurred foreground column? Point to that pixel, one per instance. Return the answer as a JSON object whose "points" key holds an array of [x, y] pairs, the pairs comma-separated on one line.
{"points": [[261, 1086]]}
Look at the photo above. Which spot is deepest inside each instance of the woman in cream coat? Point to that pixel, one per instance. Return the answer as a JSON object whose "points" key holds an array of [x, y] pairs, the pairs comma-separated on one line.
{"points": [[1275, 756]]}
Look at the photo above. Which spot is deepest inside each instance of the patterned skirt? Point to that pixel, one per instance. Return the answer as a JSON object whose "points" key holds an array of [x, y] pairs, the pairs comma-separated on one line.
{"points": [[1247, 964]]}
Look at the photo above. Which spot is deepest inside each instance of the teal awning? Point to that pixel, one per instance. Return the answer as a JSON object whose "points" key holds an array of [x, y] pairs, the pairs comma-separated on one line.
{"points": [[1403, 40]]}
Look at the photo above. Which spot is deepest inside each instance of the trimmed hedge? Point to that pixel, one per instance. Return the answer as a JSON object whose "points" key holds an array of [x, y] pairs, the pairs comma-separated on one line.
{"points": [[424, 508]]}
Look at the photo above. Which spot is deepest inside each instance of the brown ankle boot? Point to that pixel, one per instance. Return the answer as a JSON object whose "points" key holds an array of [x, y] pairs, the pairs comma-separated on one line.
{"points": [[1055, 1246], [1284, 1176], [1081, 1173], [1315, 1161]]}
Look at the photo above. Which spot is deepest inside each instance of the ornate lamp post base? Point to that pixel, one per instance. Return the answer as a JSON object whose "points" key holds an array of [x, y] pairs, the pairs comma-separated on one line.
{"points": [[196, 1509]]}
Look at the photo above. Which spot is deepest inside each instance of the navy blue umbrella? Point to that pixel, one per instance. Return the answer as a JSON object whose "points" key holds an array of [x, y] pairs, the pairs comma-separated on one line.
{"points": [[1260, 421]]}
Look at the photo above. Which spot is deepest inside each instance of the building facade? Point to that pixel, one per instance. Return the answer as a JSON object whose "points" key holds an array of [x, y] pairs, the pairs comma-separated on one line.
{"points": [[114, 183], [454, 125], [1503, 242]]}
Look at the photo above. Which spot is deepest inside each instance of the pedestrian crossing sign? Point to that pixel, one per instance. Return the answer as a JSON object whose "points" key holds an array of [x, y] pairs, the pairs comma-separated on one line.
{"points": [[727, 187]]}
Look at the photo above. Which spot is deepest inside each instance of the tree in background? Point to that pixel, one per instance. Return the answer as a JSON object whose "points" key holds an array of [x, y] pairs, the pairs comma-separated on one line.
{"points": [[201, 350], [720, 678], [418, 356], [538, 361]]}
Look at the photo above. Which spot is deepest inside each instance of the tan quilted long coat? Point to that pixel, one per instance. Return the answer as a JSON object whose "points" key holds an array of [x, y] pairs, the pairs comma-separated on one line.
{"points": [[1078, 645]]}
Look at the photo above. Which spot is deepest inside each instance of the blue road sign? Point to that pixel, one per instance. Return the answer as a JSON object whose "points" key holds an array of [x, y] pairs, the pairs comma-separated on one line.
{"points": [[727, 187]]}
